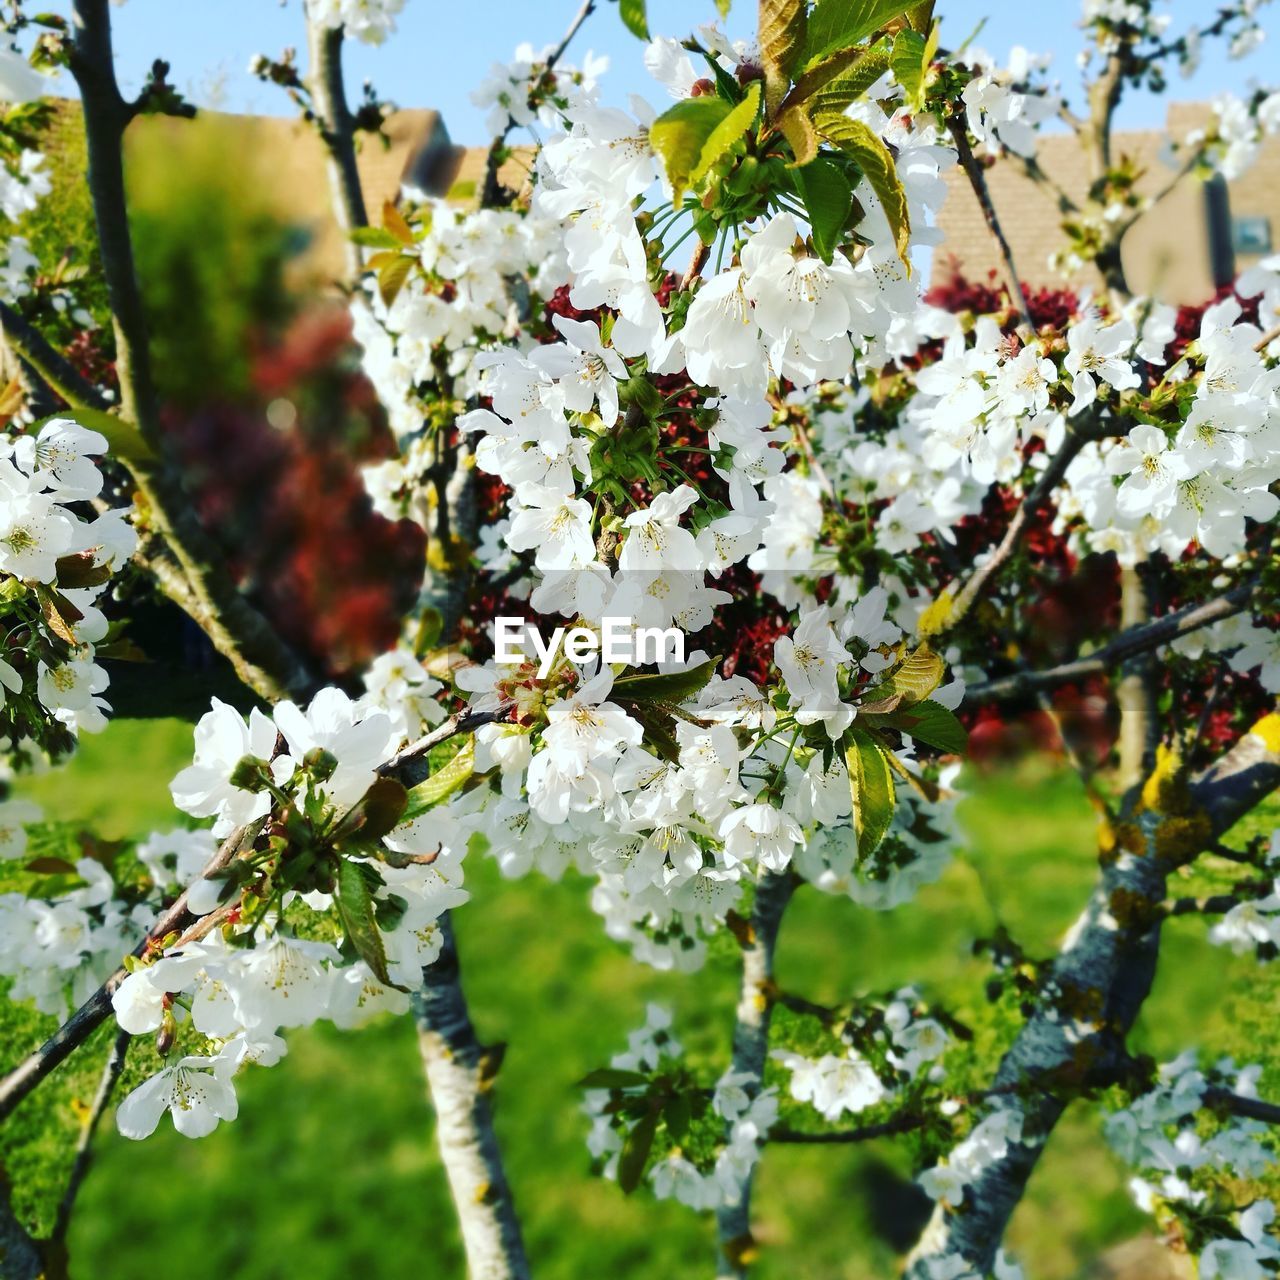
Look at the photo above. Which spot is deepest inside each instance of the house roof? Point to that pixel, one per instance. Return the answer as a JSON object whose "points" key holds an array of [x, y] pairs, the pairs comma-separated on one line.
{"points": [[1166, 253]]}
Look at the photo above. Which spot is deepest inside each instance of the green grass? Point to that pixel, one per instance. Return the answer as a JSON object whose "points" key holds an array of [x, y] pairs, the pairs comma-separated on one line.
{"points": [[331, 1169]]}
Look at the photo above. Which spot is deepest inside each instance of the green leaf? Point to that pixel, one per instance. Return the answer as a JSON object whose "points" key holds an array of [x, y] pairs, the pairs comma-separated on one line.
{"points": [[613, 1078], [828, 199], [730, 131], [659, 725], [834, 96], [823, 72], [921, 16], [634, 17], [679, 134], [677, 1114], [124, 440], [355, 906], [374, 238], [635, 1152], [874, 159], [392, 274], [837, 24], [783, 28], [797, 128], [871, 785], [723, 7], [441, 784], [932, 723], [915, 679], [908, 61], [379, 810], [669, 686]]}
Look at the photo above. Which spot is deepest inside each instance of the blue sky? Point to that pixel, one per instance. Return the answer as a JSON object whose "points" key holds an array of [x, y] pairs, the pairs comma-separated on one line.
{"points": [[444, 47]]}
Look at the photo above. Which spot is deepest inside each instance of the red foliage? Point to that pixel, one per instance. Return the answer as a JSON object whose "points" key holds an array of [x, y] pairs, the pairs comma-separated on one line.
{"points": [[289, 505]]}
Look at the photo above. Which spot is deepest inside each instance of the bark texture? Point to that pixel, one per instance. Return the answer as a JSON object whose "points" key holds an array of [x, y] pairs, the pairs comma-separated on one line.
{"points": [[460, 1075], [751, 1047], [1100, 980]]}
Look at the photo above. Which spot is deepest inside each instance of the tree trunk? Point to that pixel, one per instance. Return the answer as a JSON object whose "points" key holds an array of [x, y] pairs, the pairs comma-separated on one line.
{"points": [[1100, 980], [459, 1073], [751, 1047]]}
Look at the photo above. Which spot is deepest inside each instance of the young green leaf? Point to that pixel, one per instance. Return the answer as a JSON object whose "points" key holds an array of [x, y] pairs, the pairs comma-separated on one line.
{"points": [[915, 679], [679, 135], [908, 61], [374, 238], [932, 723], [669, 686], [797, 128], [871, 785], [730, 131], [355, 906], [837, 24], [441, 784], [635, 1152], [874, 159], [634, 17], [783, 27], [836, 94], [828, 200]]}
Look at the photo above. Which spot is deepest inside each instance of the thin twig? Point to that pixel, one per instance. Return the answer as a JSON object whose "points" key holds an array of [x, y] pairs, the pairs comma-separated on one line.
{"points": [[462, 722], [977, 180], [90, 1015], [1050, 478], [84, 1143], [491, 189], [1127, 644]]}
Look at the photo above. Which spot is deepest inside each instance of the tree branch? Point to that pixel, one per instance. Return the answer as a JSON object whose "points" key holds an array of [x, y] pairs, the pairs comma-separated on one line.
{"points": [[460, 1074], [338, 131], [84, 1145], [1101, 978], [90, 1015], [978, 181], [20, 1257], [1127, 644], [751, 1047], [1076, 438], [462, 722], [236, 629]]}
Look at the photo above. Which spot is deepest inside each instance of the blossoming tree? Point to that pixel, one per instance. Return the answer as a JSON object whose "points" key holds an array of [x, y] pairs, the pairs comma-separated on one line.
{"points": [[678, 368]]}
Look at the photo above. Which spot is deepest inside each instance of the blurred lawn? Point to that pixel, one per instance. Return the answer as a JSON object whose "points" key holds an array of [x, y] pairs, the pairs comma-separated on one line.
{"points": [[331, 1170]]}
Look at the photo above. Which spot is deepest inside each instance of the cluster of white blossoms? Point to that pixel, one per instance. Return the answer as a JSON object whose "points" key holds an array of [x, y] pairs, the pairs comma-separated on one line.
{"points": [[475, 277], [1002, 110], [1161, 1133], [1237, 132], [288, 965], [742, 1121], [987, 1143], [369, 20], [56, 949], [54, 565], [527, 91], [1162, 487], [907, 1041], [23, 184]]}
